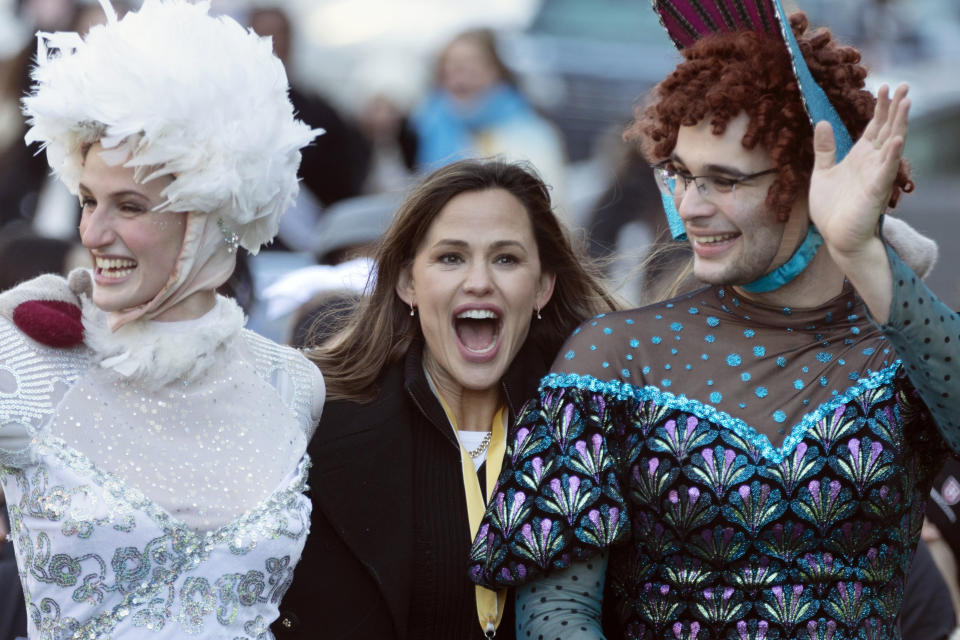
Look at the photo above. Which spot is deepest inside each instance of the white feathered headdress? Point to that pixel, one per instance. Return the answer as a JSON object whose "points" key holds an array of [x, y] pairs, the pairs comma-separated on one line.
{"points": [[175, 92]]}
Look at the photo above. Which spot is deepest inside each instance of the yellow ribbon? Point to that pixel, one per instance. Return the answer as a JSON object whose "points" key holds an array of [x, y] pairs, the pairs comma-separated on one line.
{"points": [[490, 603]]}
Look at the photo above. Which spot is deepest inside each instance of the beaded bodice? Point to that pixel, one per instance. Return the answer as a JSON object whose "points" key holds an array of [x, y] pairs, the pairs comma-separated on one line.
{"points": [[757, 473], [141, 512]]}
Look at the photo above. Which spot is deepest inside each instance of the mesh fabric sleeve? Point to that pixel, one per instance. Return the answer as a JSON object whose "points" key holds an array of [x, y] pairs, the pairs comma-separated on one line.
{"points": [[565, 604], [925, 334]]}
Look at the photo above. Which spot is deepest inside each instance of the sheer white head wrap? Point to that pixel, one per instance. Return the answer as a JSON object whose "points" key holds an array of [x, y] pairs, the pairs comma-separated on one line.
{"points": [[171, 90]]}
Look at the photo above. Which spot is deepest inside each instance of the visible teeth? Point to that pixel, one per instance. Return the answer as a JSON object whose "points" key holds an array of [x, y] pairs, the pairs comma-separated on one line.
{"points": [[109, 264], [116, 268], [712, 239], [117, 273], [477, 314], [116, 263]]}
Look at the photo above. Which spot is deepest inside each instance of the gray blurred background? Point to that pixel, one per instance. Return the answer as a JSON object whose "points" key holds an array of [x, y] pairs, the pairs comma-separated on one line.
{"points": [[583, 65]]}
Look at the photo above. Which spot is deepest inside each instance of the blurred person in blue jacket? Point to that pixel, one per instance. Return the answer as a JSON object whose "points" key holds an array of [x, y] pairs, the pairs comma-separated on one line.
{"points": [[476, 109]]}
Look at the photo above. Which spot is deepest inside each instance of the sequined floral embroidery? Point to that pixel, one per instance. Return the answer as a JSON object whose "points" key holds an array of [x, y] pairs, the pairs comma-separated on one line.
{"points": [[143, 582], [99, 557]]}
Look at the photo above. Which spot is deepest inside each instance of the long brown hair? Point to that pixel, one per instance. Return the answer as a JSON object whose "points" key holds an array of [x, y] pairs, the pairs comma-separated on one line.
{"points": [[381, 329]]}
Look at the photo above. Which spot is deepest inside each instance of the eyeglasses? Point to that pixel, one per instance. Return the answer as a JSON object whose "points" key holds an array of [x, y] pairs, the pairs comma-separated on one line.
{"points": [[674, 183]]}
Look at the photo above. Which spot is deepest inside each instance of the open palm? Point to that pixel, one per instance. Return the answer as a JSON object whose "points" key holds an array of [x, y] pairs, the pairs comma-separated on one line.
{"points": [[847, 198]]}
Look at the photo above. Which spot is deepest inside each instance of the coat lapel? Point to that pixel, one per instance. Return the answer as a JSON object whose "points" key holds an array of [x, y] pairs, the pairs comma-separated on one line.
{"points": [[363, 486]]}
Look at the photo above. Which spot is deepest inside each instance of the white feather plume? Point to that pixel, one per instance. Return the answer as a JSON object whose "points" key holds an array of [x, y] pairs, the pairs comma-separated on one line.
{"points": [[199, 97]]}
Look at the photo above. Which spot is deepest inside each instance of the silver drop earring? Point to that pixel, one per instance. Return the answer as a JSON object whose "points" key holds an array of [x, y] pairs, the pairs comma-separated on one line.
{"points": [[411, 310], [539, 317]]}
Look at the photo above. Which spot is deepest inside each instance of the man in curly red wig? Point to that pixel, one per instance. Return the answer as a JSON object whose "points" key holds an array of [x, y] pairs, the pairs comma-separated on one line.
{"points": [[750, 73], [749, 460]]}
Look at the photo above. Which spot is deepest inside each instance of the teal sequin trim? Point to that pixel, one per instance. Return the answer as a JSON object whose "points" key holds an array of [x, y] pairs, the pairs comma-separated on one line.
{"points": [[620, 390]]}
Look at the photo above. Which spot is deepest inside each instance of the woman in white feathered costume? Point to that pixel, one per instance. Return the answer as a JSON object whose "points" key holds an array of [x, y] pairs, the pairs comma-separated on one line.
{"points": [[152, 449]]}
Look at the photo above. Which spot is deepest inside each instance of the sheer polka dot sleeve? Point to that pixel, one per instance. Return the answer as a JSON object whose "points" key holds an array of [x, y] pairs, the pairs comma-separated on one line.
{"points": [[926, 336], [565, 604]]}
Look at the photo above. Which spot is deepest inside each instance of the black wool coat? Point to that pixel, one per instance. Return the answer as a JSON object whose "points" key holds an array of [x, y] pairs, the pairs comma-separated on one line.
{"points": [[387, 552]]}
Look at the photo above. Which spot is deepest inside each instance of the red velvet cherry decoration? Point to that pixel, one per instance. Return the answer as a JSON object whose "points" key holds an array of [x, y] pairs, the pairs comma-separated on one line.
{"points": [[54, 323]]}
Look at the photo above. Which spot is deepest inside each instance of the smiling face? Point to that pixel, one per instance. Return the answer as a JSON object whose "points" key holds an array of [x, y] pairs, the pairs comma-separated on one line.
{"points": [[476, 282], [134, 249], [735, 237]]}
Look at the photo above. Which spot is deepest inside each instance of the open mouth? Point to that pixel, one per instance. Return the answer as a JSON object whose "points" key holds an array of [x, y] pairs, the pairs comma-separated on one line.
{"points": [[115, 268], [477, 330]]}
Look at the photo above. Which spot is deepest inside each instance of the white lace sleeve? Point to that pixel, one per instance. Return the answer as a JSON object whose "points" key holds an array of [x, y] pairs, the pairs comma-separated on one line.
{"points": [[297, 380], [33, 379]]}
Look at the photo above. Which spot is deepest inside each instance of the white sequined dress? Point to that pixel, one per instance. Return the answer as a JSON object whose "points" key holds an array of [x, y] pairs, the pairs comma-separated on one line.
{"points": [[154, 480]]}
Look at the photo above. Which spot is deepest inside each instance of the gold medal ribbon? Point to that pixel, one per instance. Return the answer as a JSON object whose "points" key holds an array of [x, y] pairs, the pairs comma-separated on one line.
{"points": [[490, 603]]}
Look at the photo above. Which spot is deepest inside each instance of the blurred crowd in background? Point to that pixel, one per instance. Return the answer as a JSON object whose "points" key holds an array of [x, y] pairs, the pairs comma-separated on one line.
{"points": [[401, 87]]}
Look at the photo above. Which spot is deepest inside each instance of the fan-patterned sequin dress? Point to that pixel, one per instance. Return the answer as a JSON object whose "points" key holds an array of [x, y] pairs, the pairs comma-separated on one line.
{"points": [[756, 472]]}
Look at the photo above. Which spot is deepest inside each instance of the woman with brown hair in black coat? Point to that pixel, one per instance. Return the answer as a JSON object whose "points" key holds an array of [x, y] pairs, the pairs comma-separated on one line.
{"points": [[476, 288]]}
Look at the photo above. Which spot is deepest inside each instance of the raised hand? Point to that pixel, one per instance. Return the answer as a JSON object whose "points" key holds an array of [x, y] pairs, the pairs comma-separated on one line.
{"points": [[847, 198]]}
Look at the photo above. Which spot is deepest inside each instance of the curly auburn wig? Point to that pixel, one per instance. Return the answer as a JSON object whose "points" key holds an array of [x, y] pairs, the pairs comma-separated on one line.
{"points": [[751, 72]]}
